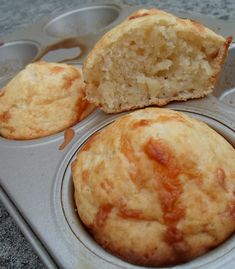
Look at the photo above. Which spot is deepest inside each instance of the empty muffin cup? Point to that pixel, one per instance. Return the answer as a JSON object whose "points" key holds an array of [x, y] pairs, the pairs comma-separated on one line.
{"points": [[15, 55], [225, 87], [82, 21]]}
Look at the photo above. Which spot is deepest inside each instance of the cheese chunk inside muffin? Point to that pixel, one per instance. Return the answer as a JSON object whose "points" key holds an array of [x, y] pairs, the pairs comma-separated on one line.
{"points": [[156, 187], [41, 100], [153, 58]]}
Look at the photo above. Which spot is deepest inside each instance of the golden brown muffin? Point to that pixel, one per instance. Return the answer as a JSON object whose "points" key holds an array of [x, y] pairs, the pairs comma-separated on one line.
{"points": [[153, 58], [156, 187], [41, 100]]}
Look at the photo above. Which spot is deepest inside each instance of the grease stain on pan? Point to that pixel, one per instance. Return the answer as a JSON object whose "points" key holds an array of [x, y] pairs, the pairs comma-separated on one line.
{"points": [[68, 136], [64, 51]]}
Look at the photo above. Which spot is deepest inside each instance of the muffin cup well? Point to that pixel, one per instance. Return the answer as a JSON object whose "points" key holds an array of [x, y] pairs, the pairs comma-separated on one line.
{"points": [[15, 55], [225, 87], [82, 21], [69, 213]]}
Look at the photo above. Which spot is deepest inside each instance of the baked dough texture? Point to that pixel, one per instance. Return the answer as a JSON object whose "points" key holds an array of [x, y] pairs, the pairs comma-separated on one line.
{"points": [[156, 187], [153, 58], [41, 100]]}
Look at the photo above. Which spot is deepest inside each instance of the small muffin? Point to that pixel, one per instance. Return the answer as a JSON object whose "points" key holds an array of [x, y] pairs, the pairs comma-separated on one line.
{"points": [[153, 58], [43, 99], [156, 187]]}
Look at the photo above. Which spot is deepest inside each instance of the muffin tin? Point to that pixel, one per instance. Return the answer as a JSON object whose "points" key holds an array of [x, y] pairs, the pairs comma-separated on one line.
{"points": [[35, 176]]}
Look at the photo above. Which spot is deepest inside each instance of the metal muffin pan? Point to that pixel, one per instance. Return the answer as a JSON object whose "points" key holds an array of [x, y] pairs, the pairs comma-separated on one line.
{"points": [[35, 177]]}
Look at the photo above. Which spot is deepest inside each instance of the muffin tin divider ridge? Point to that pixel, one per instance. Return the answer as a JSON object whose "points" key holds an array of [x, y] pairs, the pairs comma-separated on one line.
{"points": [[35, 175]]}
